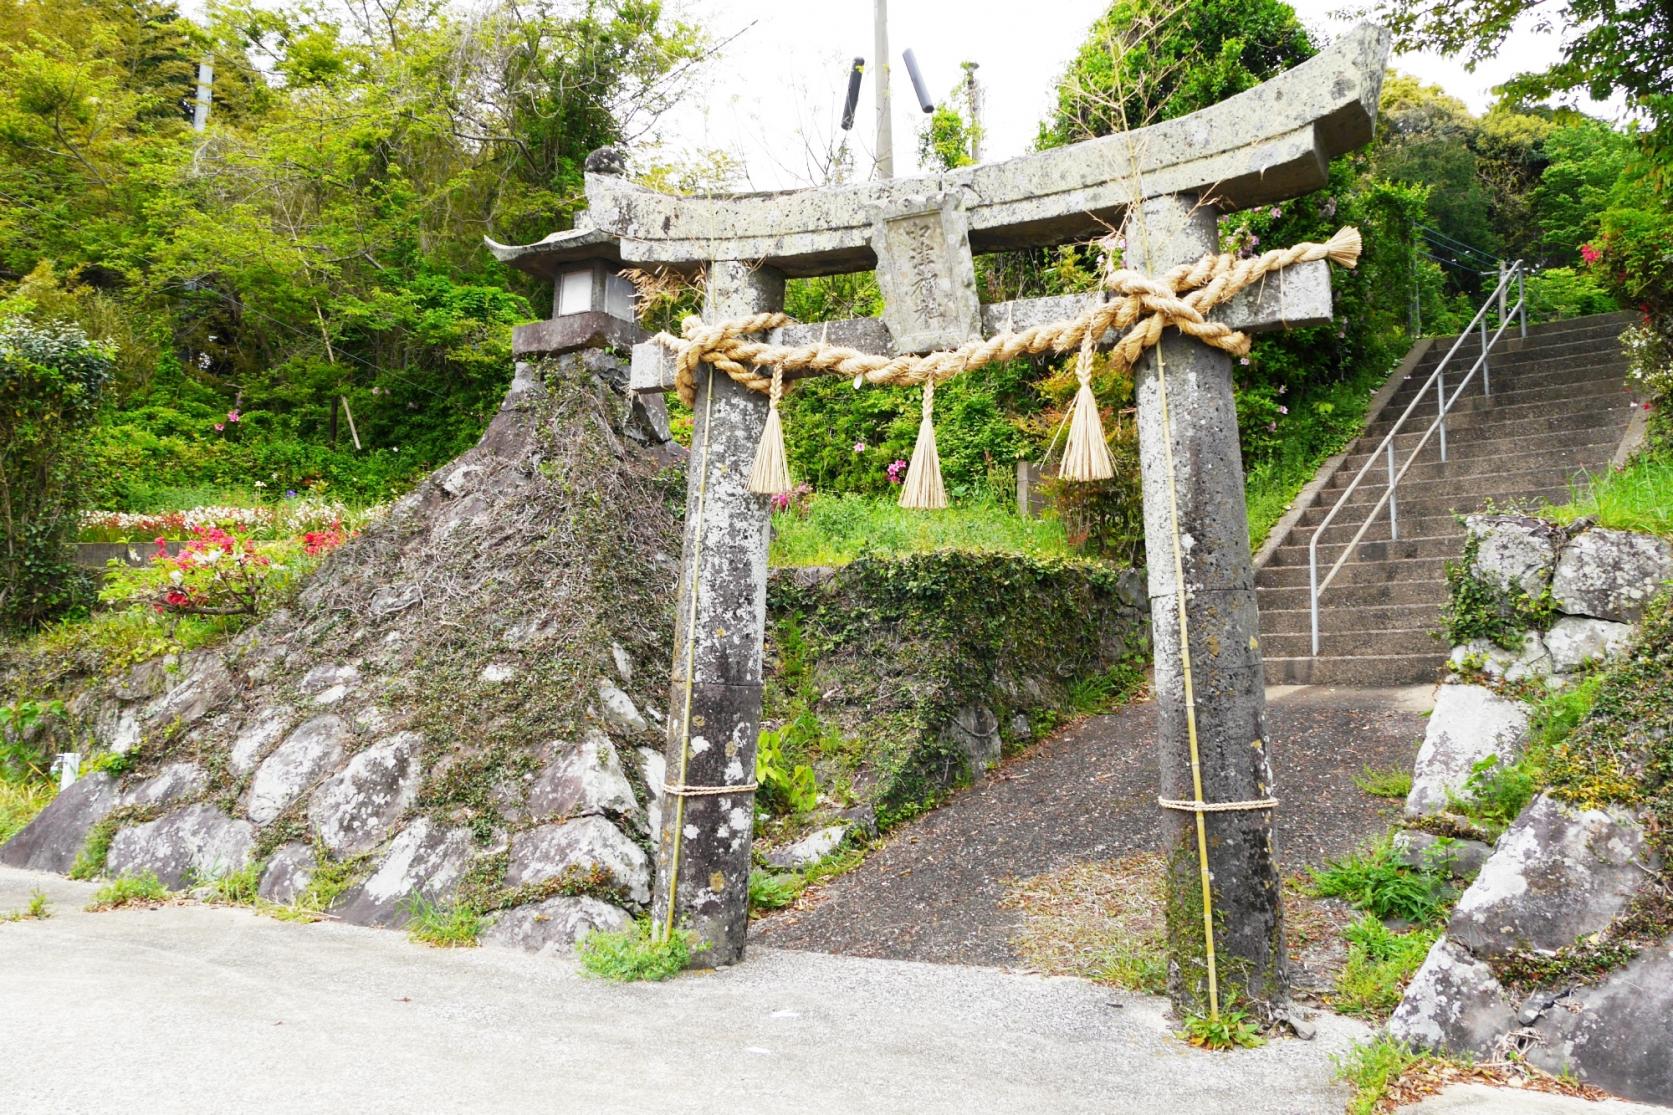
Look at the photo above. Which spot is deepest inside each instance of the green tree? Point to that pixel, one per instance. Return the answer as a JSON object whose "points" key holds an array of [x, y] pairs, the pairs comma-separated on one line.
{"points": [[51, 377], [1150, 60]]}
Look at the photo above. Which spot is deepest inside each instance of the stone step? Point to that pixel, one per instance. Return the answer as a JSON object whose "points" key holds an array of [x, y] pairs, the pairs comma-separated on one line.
{"points": [[1537, 374], [1510, 352], [1355, 670], [1426, 526], [1587, 409], [1336, 613], [1429, 467], [1598, 426], [1427, 593], [1379, 640], [1441, 546], [1288, 574], [1582, 443], [1517, 394], [1423, 493]]}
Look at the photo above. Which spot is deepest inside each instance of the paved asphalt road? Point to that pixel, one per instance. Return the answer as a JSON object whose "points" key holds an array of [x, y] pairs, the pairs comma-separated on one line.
{"points": [[195, 1009]]}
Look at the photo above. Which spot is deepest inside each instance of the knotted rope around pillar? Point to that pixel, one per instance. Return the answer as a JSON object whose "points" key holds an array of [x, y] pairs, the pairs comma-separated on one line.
{"points": [[1140, 308]]}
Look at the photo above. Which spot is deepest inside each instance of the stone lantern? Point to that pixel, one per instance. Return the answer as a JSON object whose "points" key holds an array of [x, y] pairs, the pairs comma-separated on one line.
{"points": [[592, 304], [592, 327]]}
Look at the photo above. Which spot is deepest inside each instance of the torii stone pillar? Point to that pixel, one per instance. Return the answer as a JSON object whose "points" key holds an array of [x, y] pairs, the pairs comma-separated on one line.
{"points": [[1203, 486], [714, 699]]}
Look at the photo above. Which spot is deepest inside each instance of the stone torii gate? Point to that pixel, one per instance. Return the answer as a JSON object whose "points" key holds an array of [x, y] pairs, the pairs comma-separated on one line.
{"points": [[1166, 184]]}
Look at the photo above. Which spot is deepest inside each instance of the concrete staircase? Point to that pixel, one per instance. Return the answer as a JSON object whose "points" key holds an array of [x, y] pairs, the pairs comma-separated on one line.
{"points": [[1559, 405]]}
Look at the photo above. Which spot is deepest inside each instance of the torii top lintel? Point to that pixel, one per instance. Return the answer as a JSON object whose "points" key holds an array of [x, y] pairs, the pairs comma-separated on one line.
{"points": [[1261, 146]]}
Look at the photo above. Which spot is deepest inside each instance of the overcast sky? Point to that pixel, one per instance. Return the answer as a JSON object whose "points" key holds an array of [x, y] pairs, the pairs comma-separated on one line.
{"points": [[775, 96]]}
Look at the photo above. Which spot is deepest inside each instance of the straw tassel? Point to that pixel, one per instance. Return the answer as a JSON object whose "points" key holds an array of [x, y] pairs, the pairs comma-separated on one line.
{"points": [[1344, 248], [770, 474], [1086, 455], [923, 490]]}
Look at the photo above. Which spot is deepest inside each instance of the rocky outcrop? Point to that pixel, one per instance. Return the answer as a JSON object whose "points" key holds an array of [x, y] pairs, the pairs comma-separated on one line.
{"points": [[192, 845], [433, 707], [1558, 879], [555, 925], [1611, 574], [1469, 723]]}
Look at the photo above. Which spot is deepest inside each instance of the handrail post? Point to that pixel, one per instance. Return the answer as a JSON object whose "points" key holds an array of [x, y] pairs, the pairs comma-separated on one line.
{"points": [[1440, 400], [1313, 588], [1522, 295], [1393, 516], [1486, 379], [1504, 288]]}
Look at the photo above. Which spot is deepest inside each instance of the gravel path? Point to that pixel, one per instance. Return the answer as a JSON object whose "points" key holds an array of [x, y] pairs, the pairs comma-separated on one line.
{"points": [[932, 892]]}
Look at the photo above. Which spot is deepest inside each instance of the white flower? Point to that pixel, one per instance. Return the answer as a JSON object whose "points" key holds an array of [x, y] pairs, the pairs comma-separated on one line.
{"points": [[209, 557], [175, 576]]}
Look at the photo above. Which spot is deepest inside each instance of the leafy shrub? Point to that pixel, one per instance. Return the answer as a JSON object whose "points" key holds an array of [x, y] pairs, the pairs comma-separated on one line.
{"points": [[23, 751], [635, 954], [51, 380], [1563, 292], [786, 787], [1495, 793]]}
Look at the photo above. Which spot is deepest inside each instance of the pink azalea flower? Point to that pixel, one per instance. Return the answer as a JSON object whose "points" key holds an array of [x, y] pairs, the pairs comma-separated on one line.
{"points": [[219, 426], [1590, 254], [233, 415], [859, 447]]}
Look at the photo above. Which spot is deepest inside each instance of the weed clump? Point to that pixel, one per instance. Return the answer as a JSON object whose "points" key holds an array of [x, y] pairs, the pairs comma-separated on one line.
{"points": [[130, 890], [37, 910], [1380, 963], [637, 954], [442, 927], [1379, 884]]}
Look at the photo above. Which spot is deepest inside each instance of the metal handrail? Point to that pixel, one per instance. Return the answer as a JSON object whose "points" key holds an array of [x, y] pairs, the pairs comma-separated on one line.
{"points": [[1514, 272]]}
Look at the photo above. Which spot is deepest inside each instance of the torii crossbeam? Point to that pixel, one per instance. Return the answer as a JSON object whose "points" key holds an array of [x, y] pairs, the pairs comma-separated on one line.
{"points": [[1165, 185]]}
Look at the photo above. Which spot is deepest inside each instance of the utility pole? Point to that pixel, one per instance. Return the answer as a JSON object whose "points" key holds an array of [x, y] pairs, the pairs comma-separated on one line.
{"points": [[973, 94], [885, 129], [206, 90]]}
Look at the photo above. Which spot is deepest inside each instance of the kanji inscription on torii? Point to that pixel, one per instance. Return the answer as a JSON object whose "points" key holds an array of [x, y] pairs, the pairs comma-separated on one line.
{"points": [[1165, 185], [926, 274]]}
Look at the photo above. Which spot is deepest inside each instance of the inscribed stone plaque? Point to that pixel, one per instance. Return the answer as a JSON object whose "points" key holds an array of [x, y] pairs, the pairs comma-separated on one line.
{"points": [[926, 275]]}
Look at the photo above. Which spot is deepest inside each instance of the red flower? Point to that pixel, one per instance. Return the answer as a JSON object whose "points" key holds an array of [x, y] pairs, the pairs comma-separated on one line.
{"points": [[1590, 254]]}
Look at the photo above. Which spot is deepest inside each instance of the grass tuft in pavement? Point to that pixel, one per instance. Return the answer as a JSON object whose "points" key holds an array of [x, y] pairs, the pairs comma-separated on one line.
{"points": [[636, 954], [130, 890]]}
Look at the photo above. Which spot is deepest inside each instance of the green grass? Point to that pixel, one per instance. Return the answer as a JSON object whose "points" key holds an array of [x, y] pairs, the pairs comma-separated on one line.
{"points": [[37, 910], [770, 891], [1380, 962], [329, 880], [1110, 689], [238, 888], [1638, 497], [1370, 1068], [129, 890], [19, 802], [835, 530], [442, 927], [1132, 965], [1395, 782], [95, 849], [636, 954], [1376, 882]]}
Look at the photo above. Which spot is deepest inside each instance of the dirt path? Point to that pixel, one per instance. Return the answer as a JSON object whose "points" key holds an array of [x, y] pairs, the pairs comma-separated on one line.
{"points": [[933, 891]]}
